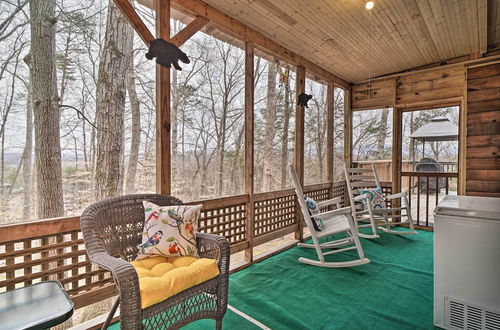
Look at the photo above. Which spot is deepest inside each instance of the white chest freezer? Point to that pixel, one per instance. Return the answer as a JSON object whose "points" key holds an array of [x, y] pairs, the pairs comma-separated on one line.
{"points": [[467, 263]]}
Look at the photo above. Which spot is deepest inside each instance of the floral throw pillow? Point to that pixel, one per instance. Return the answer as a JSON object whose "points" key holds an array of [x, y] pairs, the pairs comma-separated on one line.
{"points": [[318, 224], [169, 231], [376, 198]]}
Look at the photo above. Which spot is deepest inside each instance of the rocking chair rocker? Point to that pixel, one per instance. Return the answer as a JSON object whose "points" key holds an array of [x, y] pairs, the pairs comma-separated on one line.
{"points": [[365, 214], [335, 222]]}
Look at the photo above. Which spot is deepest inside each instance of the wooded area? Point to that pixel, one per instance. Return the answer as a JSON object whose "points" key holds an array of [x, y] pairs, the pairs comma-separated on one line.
{"points": [[102, 92]]}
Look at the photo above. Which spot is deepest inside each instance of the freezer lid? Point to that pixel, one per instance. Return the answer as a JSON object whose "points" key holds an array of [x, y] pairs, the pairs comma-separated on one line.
{"points": [[469, 206]]}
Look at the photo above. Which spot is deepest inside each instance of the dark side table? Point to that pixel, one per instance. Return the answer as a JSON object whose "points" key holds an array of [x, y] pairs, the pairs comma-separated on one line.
{"points": [[38, 306]]}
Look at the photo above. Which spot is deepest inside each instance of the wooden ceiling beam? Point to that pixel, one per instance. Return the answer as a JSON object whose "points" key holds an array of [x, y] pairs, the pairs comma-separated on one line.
{"points": [[189, 30], [129, 12]]}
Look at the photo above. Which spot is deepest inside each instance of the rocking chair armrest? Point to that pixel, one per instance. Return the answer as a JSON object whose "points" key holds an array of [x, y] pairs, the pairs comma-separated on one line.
{"points": [[361, 197], [329, 214], [214, 247], [395, 196], [328, 202]]}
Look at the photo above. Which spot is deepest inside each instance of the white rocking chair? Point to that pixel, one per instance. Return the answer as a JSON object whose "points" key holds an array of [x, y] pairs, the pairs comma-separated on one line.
{"points": [[357, 180], [335, 222]]}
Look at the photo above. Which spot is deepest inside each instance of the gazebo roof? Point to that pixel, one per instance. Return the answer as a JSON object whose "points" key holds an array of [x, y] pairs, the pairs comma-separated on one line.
{"points": [[438, 129]]}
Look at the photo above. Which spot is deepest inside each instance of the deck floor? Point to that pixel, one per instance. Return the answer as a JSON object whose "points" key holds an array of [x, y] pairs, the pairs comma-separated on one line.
{"points": [[394, 291], [422, 214]]}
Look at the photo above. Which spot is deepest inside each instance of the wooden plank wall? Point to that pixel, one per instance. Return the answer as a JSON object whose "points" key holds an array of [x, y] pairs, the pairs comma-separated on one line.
{"points": [[375, 94], [483, 131], [412, 89], [432, 85]]}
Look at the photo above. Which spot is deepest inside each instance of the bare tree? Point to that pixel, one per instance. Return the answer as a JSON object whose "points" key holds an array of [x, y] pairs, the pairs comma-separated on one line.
{"points": [[46, 109], [136, 125], [111, 104], [382, 133], [270, 122]]}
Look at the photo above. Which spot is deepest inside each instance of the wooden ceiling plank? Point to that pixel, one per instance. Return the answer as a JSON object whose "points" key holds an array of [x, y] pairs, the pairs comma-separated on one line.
{"points": [[471, 21], [199, 8], [297, 36], [493, 16], [460, 33], [188, 31], [360, 33], [428, 17], [359, 63], [291, 7], [482, 7], [444, 35], [417, 50], [339, 36]]}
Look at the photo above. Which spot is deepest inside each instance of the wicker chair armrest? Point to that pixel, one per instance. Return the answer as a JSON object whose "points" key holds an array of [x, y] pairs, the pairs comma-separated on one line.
{"points": [[127, 281], [214, 247]]}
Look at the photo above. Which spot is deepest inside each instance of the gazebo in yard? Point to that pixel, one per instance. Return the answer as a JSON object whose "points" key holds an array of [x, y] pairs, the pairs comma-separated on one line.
{"points": [[438, 129], [404, 55]]}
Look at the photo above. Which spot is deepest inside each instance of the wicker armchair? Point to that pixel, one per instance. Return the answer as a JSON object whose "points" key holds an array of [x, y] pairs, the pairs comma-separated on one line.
{"points": [[112, 230]]}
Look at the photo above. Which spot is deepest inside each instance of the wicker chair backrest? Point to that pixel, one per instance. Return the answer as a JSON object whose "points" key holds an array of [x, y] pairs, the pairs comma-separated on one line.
{"points": [[115, 224]]}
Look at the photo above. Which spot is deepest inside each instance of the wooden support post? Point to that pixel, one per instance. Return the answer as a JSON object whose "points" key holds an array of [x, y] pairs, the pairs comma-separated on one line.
{"points": [[347, 137], [397, 117], [249, 152], [330, 108], [462, 142], [347, 128], [163, 145], [299, 144], [188, 31]]}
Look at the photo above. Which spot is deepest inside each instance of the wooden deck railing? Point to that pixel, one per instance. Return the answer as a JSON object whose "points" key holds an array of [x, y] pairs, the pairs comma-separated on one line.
{"points": [[424, 189], [53, 249]]}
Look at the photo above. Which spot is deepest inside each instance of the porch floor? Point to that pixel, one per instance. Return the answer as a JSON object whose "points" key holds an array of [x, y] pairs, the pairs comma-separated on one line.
{"points": [[394, 291]]}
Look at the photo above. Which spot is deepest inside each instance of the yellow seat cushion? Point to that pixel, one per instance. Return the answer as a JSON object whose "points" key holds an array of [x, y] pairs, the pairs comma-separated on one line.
{"points": [[164, 277]]}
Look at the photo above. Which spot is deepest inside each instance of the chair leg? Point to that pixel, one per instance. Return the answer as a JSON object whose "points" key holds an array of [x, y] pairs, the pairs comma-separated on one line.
{"points": [[408, 213], [218, 324], [111, 314]]}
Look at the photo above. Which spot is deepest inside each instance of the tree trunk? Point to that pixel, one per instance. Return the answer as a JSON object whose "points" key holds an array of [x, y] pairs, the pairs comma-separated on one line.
{"points": [[284, 139], [111, 104], [27, 156], [270, 119], [136, 126], [46, 109], [382, 134]]}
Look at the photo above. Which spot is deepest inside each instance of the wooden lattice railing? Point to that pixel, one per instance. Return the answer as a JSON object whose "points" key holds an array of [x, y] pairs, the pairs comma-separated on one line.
{"points": [[53, 249]]}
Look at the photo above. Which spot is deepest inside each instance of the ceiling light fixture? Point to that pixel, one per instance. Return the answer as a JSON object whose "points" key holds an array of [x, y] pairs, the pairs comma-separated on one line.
{"points": [[369, 5]]}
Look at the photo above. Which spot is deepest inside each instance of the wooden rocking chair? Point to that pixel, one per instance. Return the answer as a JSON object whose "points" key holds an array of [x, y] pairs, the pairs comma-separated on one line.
{"points": [[365, 214], [335, 222]]}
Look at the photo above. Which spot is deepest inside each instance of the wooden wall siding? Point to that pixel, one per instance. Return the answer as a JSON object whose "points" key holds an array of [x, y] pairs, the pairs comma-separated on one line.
{"points": [[376, 94], [483, 131], [433, 85], [412, 89]]}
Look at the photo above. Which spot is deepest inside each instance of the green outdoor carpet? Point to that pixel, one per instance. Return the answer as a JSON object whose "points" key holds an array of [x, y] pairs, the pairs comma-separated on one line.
{"points": [[394, 291], [231, 321]]}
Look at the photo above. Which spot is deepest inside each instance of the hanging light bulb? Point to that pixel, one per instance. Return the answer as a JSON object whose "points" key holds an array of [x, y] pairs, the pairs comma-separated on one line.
{"points": [[369, 5]]}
